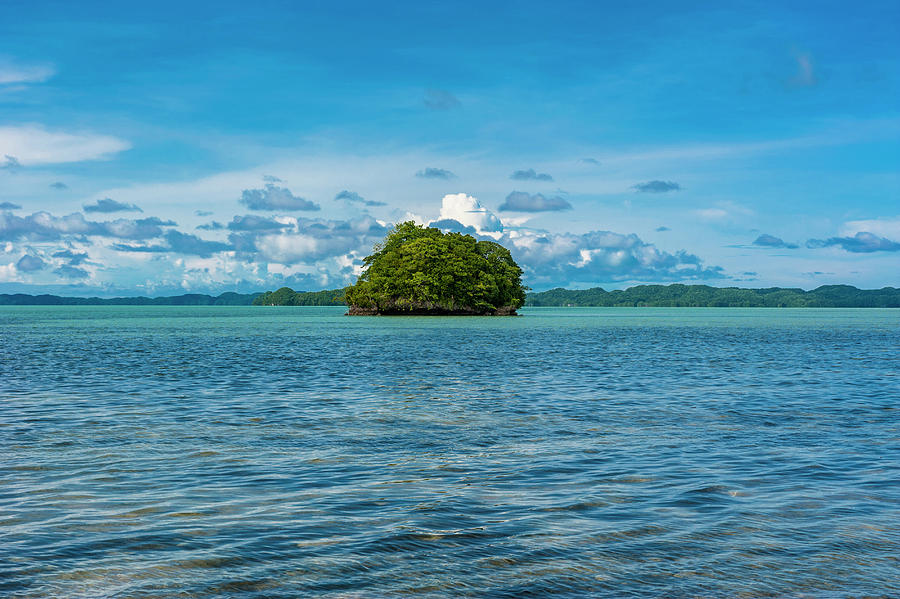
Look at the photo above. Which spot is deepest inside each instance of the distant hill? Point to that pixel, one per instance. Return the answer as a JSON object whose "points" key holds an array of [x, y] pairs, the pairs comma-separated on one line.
{"points": [[827, 296], [288, 297], [191, 299]]}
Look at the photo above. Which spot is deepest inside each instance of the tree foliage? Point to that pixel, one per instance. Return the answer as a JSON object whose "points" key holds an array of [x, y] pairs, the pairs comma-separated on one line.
{"points": [[288, 297], [827, 296], [421, 270]]}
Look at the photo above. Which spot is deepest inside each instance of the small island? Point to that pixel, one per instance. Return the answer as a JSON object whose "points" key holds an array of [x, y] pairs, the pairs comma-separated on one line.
{"points": [[422, 271]]}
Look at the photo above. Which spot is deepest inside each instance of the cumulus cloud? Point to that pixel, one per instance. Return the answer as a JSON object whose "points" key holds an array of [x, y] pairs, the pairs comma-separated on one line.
{"points": [[252, 222], [519, 201], [43, 226], [185, 243], [107, 205], [308, 241], [73, 258], [12, 72], [59, 185], [9, 206], [883, 227], [599, 256], [861, 243], [354, 198], [435, 173], [71, 272], [440, 99], [656, 186], [152, 220], [179, 243], [275, 198], [29, 263], [771, 241], [469, 212], [35, 145], [211, 226], [566, 259], [530, 175], [272, 179], [448, 224]]}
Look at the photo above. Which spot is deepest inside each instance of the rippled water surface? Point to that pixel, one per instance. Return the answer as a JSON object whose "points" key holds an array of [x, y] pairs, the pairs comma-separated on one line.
{"points": [[296, 452]]}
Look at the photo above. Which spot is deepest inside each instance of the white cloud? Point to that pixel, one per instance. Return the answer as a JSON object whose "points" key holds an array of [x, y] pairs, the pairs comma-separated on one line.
{"points": [[309, 241], [33, 144], [8, 273], [724, 212], [287, 249], [883, 227], [468, 211], [11, 72], [551, 259], [516, 221], [416, 218]]}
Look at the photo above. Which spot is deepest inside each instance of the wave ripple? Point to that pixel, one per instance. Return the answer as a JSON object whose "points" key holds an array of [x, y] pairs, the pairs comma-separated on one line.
{"points": [[253, 452]]}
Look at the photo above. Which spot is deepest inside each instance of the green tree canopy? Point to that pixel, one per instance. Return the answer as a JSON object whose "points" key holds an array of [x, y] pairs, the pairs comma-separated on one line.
{"points": [[827, 296], [288, 297], [420, 270]]}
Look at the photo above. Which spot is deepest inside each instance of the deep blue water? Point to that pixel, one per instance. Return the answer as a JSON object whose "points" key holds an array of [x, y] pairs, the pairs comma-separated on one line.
{"points": [[296, 452]]}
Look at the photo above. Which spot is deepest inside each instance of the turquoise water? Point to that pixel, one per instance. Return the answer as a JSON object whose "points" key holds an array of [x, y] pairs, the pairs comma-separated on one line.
{"points": [[294, 452]]}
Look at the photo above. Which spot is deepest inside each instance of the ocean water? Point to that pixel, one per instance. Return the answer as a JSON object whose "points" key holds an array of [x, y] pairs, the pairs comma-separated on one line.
{"points": [[569, 452]]}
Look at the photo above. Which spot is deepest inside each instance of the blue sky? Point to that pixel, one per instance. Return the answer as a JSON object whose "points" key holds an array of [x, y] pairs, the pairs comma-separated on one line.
{"points": [[200, 147]]}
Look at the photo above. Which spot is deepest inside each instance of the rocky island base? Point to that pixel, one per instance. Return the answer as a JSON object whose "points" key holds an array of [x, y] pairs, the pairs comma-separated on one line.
{"points": [[426, 310]]}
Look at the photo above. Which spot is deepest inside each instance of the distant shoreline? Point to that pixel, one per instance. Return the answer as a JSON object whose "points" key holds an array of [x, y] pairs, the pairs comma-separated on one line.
{"points": [[661, 296], [189, 299], [704, 296]]}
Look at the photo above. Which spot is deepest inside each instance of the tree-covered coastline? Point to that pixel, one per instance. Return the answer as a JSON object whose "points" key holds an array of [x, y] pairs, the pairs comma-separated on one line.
{"points": [[288, 297], [677, 295], [189, 299], [704, 296]]}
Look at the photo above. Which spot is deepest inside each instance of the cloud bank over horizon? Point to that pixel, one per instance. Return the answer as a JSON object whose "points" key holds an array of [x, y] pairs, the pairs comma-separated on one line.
{"points": [[557, 260], [328, 251], [42, 249]]}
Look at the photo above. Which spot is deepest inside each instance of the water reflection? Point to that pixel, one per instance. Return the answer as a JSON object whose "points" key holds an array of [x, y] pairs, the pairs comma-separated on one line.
{"points": [[163, 452]]}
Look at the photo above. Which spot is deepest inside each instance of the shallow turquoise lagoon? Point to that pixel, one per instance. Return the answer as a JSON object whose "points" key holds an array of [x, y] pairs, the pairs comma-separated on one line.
{"points": [[569, 452]]}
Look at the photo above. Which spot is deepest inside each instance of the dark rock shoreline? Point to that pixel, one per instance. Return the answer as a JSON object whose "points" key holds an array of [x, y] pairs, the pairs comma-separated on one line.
{"points": [[429, 311]]}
